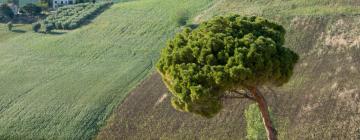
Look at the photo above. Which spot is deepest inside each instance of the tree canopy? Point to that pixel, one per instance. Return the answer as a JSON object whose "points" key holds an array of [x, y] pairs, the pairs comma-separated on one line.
{"points": [[6, 12], [223, 54]]}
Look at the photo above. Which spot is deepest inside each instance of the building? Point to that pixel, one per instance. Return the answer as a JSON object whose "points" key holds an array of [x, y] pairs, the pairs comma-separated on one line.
{"points": [[58, 3]]}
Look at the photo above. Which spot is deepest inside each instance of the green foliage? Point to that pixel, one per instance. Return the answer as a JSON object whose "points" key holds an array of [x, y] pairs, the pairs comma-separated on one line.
{"points": [[254, 125], [225, 53], [49, 27], [73, 25], [72, 16], [58, 25], [10, 26], [36, 27], [31, 9], [6, 12]]}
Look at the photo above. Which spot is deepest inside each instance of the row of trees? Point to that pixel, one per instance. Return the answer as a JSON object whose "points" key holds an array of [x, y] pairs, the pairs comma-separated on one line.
{"points": [[72, 16], [30, 9], [69, 17]]}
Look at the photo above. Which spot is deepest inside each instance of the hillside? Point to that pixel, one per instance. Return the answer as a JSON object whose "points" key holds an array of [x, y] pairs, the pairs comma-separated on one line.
{"points": [[321, 101], [65, 84]]}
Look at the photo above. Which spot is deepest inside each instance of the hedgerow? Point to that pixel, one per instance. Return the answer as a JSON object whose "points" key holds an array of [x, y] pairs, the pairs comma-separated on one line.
{"points": [[73, 16]]}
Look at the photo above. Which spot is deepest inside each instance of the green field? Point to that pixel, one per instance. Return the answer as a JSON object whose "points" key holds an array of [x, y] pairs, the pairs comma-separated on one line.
{"points": [[65, 84]]}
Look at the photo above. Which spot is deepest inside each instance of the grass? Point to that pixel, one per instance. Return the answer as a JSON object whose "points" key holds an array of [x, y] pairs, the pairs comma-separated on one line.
{"points": [[64, 85], [321, 100], [18, 29], [275, 8]]}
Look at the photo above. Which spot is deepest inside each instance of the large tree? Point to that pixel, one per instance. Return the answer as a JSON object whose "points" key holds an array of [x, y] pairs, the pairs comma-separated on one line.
{"points": [[226, 57], [6, 12]]}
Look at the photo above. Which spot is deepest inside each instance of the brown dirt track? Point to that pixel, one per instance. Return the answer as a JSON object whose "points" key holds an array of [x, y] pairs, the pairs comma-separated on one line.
{"points": [[143, 116]]}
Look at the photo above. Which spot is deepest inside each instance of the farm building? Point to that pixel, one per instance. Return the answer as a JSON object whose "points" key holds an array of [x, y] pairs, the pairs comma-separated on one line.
{"points": [[57, 3]]}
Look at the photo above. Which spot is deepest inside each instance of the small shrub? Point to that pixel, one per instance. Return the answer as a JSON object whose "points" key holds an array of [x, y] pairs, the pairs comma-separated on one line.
{"points": [[72, 16], [6, 12], [10, 26], [65, 25], [49, 28], [73, 25], [58, 25], [36, 27], [225, 54]]}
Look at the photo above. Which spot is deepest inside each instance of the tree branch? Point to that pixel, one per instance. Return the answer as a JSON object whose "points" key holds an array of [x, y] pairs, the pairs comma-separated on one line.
{"points": [[243, 95]]}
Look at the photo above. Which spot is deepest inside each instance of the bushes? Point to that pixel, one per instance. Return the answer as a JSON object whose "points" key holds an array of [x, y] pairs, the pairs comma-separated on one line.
{"points": [[10, 26], [36, 27], [65, 25], [73, 25], [72, 16], [58, 25], [49, 27], [6, 12]]}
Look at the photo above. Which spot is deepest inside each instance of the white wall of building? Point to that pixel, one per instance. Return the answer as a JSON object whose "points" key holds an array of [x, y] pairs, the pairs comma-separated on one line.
{"points": [[57, 3]]}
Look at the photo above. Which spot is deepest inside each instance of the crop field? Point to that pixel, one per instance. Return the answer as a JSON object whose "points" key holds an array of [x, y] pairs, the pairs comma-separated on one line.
{"points": [[321, 101], [65, 84]]}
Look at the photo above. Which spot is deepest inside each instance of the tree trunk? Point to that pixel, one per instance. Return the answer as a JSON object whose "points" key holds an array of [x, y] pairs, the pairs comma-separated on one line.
{"points": [[270, 130]]}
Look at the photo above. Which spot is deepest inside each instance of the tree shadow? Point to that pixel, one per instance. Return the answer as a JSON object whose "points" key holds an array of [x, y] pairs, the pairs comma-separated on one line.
{"points": [[192, 26], [18, 31], [56, 33], [94, 16]]}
